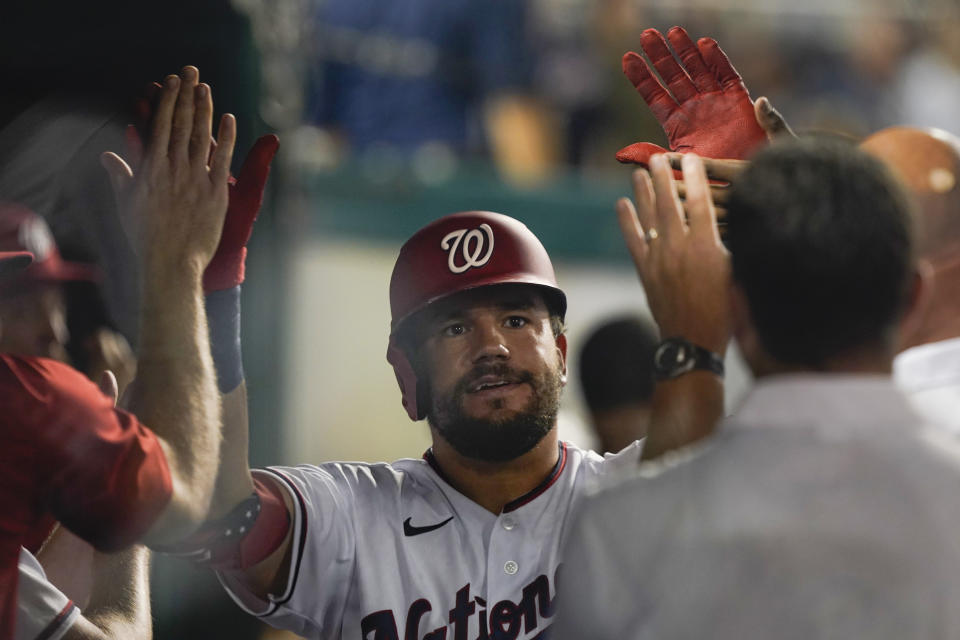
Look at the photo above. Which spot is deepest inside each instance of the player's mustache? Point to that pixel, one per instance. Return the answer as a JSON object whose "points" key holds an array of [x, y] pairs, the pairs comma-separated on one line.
{"points": [[500, 370]]}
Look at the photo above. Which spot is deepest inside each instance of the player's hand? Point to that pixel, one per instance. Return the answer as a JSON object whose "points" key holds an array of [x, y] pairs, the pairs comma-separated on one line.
{"points": [[178, 197], [226, 269], [770, 120], [684, 268], [705, 107], [720, 173]]}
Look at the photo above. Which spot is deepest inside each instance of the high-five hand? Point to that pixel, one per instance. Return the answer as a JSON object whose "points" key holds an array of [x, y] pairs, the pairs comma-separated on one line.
{"points": [[684, 268], [176, 200], [705, 107]]}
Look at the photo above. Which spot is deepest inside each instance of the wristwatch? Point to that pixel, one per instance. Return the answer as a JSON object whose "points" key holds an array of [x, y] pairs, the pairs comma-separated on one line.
{"points": [[676, 356]]}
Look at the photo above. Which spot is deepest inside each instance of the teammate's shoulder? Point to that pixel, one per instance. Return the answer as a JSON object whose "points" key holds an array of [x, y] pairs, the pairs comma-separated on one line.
{"points": [[38, 375], [37, 366]]}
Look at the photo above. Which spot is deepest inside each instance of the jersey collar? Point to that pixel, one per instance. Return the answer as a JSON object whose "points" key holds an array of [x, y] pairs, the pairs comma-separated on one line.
{"points": [[526, 498]]}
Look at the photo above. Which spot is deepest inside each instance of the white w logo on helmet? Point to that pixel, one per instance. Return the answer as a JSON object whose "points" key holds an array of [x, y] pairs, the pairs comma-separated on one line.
{"points": [[471, 245]]}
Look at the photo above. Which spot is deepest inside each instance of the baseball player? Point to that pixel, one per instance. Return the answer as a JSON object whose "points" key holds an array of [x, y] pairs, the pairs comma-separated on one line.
{"points": [[464, 542], [32, 306], [66, 449]]}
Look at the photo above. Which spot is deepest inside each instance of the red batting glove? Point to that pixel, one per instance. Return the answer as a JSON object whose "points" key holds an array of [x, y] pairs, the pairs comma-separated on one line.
{"points": [[710, 112], [226, 268]]}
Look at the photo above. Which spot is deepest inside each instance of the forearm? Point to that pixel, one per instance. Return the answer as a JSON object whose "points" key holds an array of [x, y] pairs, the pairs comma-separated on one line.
{"points": [[68, 561], [119, 607], [234, 482], [175, 394], [685, 410]]}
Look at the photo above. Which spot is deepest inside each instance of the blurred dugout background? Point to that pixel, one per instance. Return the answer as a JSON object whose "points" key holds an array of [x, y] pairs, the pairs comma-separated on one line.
{"points": [[392, 113]]}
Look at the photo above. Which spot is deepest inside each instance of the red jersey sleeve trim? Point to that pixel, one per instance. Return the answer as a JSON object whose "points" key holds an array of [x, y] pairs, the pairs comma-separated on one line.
{"points": [[299, 541], [60, 624]]}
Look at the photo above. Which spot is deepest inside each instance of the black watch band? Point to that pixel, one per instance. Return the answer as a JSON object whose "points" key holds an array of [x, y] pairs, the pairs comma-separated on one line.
{"points": [[677, 356]]}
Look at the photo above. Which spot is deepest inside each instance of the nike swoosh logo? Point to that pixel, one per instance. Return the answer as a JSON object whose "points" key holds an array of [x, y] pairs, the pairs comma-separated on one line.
{"points": [[411, 530]]}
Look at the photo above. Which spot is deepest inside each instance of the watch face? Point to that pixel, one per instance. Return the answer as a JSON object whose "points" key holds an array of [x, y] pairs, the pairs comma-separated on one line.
{"points": [[673, 358]]}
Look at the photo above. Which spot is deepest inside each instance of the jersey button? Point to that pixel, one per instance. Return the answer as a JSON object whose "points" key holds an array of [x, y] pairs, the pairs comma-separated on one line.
{"points": [[510, 567], [508, 523]]}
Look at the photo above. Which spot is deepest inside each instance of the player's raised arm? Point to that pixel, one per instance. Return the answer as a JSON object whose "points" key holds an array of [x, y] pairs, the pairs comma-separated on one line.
{"points": [[222, 282], [685, 273], [247, 521], [178, 203]]}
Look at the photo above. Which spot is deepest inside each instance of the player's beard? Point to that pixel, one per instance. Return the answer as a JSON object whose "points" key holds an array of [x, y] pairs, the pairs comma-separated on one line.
{"points": [[497, 440]]}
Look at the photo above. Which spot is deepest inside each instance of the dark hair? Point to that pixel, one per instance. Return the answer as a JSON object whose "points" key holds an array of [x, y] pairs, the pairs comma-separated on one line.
{"points": [[616, 363], [821, 243]]}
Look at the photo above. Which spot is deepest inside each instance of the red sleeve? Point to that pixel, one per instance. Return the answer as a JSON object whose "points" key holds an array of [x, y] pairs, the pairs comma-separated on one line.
{"points": [[104, 474]]}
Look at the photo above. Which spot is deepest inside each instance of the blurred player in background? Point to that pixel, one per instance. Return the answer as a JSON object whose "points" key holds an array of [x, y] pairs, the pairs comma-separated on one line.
{"points": [[33, 310], [434, 82], [928, 368], [823, 507], [99, 470], [616, 374], [96, 343]]}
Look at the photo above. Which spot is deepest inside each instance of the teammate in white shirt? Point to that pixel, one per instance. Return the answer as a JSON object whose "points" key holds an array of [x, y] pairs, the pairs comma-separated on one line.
{"points": [[928, 369]]}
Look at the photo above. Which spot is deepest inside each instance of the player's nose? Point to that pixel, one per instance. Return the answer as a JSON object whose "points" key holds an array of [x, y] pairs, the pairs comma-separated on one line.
{"points": [[488, 342]]}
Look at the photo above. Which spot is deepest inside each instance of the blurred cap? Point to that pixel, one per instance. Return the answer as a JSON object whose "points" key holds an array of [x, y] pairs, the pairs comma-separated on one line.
{"points": [[24, 233]]}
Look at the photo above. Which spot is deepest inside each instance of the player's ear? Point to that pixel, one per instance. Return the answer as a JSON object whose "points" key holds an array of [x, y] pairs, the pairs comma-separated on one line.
{"points": [[562, 350], [743, 329], [918, 303]]}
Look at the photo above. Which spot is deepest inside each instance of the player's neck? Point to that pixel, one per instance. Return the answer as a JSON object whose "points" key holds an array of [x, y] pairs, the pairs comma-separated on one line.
{"points": [[494, 484]]}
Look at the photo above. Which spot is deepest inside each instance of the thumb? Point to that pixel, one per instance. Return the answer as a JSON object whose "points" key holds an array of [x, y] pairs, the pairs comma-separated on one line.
{"points": [[119, 172], [639, 153], [770, 120], [108, 385]]}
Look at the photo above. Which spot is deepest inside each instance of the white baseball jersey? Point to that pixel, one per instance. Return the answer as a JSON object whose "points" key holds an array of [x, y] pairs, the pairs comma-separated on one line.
{"points": [[43, 611], [393, 552], [930, 376]]}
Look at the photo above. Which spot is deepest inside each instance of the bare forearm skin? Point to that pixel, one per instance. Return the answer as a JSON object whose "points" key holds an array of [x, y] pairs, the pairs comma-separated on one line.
{"points": [[685, 410], [175, 393], [234, 482], [119, 607]]}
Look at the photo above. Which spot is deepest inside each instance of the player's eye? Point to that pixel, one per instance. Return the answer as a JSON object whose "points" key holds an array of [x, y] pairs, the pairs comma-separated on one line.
{"points": [[454, 329], [516, 322]]}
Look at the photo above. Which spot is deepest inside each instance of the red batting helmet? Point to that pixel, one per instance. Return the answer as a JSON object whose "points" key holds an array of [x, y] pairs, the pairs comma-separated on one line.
{"points": [[458, 252]]}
